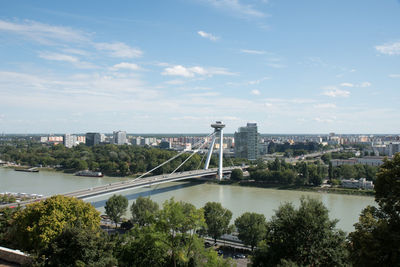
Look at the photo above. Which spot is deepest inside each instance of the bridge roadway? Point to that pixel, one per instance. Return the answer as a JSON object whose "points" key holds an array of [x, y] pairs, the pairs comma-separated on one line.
{"points": [[132, 184]]}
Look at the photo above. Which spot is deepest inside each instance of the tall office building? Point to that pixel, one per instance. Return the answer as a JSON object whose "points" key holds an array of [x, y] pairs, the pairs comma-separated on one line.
{"points": [[246, 142], [119, 137], [92, 139]]}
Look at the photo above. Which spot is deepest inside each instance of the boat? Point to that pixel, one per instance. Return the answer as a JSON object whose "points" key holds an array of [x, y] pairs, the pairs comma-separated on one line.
{"points": [[26, 170], [89, 173]]}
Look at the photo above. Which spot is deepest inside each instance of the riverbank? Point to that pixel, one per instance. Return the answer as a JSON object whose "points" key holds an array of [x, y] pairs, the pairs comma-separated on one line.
{"points": [[330, 190]]}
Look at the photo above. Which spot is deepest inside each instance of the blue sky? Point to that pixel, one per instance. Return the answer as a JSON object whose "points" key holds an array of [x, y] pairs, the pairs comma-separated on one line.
{"points": [[293, 66]]}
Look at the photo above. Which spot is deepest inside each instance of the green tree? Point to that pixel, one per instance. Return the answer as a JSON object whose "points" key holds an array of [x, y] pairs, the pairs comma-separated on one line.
{"points": [[178, 222], [305, 236], [116, 207], [376, 239], [237, 174], [144, 211], [77, 246], [251, 228], [142, 247], [6, 223], [217, 219], [36, 226], [347, 171], [326, 158], [330, 171]]}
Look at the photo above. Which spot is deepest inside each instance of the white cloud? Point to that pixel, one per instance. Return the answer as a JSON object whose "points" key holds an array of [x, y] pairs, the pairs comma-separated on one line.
{"points": [[365, 84], [236, 8], [255, 92], [394, 75], [334, 92], [175, 82], [258, 81], [389, 48], [276, 65], [68, 86], [208, 36], [325, 106], [67, 58], [119, 49], [79, 52], [206, 94], [179, 70], [347, 85], [43, 33], [126, 65], [253, 52], [58, 57], [325, 120]]}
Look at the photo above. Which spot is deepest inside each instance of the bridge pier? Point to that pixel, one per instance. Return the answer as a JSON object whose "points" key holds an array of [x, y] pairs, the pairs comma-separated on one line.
{"points": [[218, 130]]}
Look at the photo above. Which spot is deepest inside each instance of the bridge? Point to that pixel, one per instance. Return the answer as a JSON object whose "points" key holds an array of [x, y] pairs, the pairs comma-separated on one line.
{"points": [[144, 180]]}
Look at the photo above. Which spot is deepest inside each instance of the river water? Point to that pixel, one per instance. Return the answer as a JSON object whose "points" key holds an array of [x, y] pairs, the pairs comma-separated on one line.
{"points": [[238, 199]]}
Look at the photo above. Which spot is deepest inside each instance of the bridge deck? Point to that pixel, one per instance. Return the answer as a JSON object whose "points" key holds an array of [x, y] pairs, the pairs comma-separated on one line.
{"points": [[127, 185]]}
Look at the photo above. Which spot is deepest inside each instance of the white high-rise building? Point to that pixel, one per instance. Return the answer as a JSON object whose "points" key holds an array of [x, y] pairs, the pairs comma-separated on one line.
{"points": [[394, 148], [70, 140], [119, 137]]}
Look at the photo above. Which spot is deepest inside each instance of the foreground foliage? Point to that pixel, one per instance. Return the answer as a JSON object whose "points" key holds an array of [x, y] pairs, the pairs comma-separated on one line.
{"points": [[144, 211], [116, 207], [36, 226], [77, 246], [376, 241], [251, 228], [167, 239], [217, 219], [303, 236]]}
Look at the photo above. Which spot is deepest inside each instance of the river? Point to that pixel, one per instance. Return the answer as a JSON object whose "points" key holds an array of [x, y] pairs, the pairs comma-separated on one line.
{"points": [[238, 199]]}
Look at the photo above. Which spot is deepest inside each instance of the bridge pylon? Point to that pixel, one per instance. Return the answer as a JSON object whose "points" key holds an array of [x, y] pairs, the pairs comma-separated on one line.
{"points": [[218, 130]]}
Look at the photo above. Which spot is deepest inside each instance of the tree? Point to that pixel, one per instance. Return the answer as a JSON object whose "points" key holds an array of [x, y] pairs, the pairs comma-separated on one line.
{"points": [[6, 223], [251, 228], [305, 236], [387, 189], [237, 174], [170, 241], [36, 226], [77, 246], [330, 171], [116, 207], [376, 240], [143, 211], [142, 247], [217, 219], [326, 158], [178, 223], [347, 171]]}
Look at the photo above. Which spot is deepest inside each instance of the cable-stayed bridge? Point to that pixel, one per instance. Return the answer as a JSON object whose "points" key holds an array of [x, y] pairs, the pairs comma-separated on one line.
{"points": [[146, 179]]}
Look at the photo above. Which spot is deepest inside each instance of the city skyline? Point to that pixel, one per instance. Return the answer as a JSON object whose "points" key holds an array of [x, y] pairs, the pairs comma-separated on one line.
{"points": [[178, 66]]}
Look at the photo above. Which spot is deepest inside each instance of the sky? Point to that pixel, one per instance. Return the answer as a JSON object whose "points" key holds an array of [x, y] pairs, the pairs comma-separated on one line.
{"points": [[311, 66]]}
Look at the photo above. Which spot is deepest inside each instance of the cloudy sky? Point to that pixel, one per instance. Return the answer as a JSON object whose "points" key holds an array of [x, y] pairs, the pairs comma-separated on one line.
{"points": [[176, 66]]}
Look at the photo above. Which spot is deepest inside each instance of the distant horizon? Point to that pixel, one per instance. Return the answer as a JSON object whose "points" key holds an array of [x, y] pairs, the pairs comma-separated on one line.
{"points": [[188, 134]]}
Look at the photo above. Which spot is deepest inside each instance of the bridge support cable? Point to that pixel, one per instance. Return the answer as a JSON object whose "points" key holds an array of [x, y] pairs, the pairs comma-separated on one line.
{"points": [[171, 159], [193, 153], [201, 161]]}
